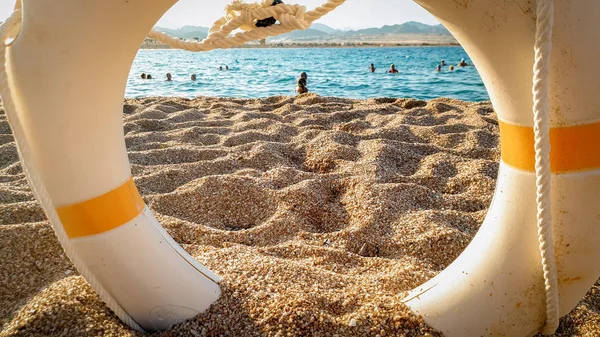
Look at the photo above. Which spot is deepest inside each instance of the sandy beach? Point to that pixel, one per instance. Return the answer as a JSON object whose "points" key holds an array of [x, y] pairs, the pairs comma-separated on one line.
{"points": [[319, 214]]}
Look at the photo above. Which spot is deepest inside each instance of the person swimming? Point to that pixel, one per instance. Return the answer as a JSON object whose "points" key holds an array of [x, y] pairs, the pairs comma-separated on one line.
{"points": [[438, 68], [462, 63], [169, 79], [193, 77], [226, 67], [372, 68], [302, 81], [451, 68], [148, 77], [143, 76], [220, 67], [442, 63], [393, 69]]}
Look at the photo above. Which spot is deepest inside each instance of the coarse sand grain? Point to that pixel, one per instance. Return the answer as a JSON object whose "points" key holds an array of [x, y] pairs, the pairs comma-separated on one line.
{"points": [[319, 213]]}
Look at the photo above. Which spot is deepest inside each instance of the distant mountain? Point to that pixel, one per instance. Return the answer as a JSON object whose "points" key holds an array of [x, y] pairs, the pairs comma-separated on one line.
{"points": [[324, 28], [306, 34], [410, 27], [186, 32], [319, 33]]}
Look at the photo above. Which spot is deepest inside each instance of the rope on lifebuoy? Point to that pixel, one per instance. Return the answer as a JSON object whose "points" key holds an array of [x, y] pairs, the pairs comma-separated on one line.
{"points": [[541, 128], [245, 16]]}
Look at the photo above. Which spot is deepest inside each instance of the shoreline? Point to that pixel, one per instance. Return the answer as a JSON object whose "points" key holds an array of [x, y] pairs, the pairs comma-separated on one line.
{"points": [[378, 98]]}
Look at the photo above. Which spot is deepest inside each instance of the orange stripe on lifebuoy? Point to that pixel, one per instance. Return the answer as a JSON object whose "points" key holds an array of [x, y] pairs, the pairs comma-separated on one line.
{"points": [[573, 148], [102, 213]]}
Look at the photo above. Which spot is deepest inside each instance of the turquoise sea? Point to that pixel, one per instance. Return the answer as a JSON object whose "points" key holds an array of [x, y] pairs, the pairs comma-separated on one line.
{"points": [[342, 72]]}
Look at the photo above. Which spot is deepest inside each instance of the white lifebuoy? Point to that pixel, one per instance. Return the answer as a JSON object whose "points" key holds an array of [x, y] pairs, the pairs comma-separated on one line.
{"points": [[69, 132], [73, 142], [496, 287]]}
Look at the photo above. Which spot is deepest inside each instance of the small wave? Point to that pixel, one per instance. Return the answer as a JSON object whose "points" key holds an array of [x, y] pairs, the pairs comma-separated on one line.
{"points": [[285, 79]]}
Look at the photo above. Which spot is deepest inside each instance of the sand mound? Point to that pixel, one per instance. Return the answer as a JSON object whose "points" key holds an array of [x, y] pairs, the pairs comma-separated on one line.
{"points": [[320, 213]]}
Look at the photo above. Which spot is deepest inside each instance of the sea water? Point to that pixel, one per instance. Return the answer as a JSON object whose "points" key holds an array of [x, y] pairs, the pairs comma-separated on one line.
{"points": [[341, 72]]}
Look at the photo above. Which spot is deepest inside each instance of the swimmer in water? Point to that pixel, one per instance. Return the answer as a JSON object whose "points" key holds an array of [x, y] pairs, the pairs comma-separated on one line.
{"points": [[439, 68], [393, 69], [148, 77], [302, 81], [193, 77], [226, 67], [220, 67], [462, 63], [372, 68], [443, 63], [143, 76], [451, 68], [169, 79]]}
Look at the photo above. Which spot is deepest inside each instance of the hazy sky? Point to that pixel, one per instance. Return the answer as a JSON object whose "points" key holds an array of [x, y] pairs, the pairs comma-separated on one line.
{"points": [[353, 14]]}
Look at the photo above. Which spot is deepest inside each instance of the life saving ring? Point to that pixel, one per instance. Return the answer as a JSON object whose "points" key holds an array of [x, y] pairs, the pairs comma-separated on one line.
{"points": [[496, 286], [76, 161]]}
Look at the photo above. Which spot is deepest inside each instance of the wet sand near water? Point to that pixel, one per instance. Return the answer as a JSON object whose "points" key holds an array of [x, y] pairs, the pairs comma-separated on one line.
{"points": [[319, 214]]}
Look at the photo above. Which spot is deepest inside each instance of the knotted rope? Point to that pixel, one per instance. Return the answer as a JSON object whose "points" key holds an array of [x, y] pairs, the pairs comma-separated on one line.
{"points": [[244, 16], [541, 128]]}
